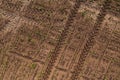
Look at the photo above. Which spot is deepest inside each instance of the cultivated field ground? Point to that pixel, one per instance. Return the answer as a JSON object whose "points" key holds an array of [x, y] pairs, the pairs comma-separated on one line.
{"points": [[59, 39]]}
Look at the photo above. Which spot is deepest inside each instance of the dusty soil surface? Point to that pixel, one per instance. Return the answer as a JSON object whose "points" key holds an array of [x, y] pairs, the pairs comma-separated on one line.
{"points": [[58, 40]]}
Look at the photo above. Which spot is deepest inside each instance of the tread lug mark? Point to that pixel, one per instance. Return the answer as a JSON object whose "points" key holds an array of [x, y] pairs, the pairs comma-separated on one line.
{"points": [[61, 40], [91, 40]]}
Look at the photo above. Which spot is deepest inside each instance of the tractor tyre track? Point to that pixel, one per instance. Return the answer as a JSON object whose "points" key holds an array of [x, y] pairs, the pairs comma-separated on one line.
{"points": [[61, 40], [91, 40]]}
